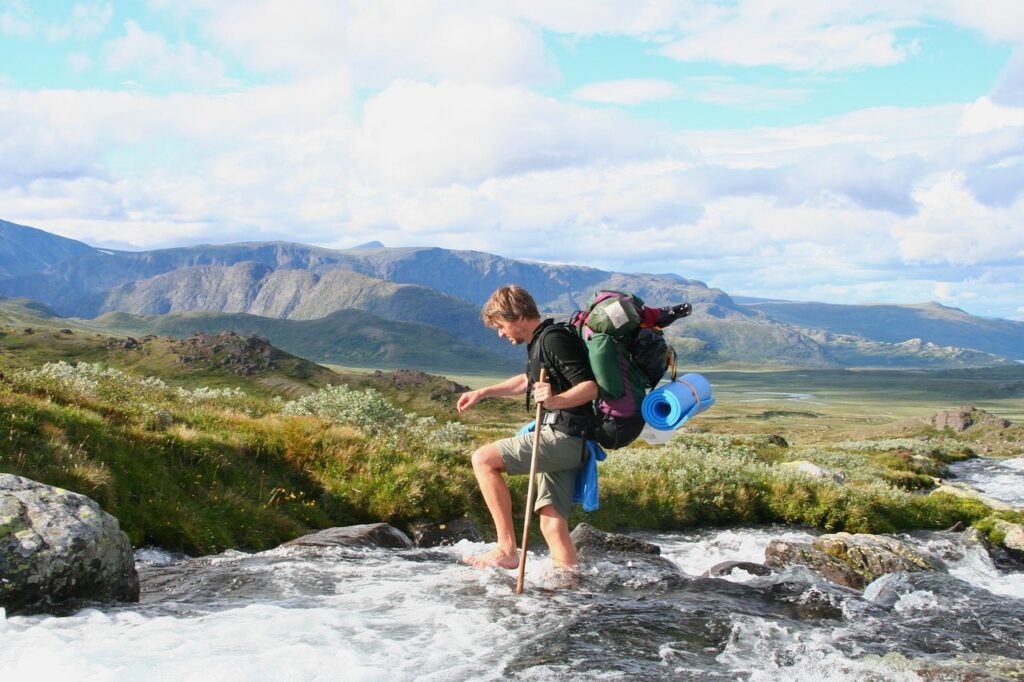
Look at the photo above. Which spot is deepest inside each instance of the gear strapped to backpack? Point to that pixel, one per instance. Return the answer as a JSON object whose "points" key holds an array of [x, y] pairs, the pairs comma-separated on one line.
{"points": [[628, 355]]}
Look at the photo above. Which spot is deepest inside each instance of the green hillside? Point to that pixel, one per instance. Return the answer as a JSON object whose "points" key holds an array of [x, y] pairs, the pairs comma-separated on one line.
{"points": [[351, 338], [347, 337]]}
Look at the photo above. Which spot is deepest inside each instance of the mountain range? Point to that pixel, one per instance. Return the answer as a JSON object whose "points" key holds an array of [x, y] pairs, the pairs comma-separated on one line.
{"points": [[419, 307]]}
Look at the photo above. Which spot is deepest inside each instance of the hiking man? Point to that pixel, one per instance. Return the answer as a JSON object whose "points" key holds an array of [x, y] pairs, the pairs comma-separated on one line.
{"points": [[567, 395]]}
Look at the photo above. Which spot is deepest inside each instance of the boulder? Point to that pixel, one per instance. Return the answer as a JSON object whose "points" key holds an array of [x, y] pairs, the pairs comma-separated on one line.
{"points": [[1004, 558], [56, 545], [1013, 539], [612, 562], [813, 470], [364, 535], [448, 533], [850, 560], [727, 567], [782, 554], [585, 535], [872, 556], [963, 418]]}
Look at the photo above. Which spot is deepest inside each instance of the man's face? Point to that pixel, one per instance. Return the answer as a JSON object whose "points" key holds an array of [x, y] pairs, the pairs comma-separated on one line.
{"points": [[513, 330]]}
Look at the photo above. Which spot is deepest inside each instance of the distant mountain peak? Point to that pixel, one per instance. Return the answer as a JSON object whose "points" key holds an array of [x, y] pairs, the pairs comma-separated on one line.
{"points": [[370, 245]]}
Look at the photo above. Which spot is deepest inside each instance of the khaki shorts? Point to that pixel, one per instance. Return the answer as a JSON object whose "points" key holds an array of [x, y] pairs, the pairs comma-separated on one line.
{"points": [[558, 460]]}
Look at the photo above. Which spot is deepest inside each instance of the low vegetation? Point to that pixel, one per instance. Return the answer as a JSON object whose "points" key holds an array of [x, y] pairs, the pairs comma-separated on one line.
{"points": [[200, 469]]}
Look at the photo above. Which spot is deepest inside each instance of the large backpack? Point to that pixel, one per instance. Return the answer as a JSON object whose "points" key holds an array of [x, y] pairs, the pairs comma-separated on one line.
{"points": [[628, 355]]}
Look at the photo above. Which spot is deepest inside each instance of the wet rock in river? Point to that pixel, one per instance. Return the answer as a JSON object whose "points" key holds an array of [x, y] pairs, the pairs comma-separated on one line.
{"points": [[782, 554], [609, 570], [851, 560], [727, 567], [585, 535], [873, 556], [56, 546], [365, 535], [1013, 539], [448, 533], [610, 561]]}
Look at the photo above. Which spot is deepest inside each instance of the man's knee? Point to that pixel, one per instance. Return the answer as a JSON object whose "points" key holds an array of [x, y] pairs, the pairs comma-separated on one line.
{"points": [[488, 457]]}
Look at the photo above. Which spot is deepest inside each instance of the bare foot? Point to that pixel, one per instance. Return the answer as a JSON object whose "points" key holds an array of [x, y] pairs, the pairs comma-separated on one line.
{"points": [[496, 557], [564, 577]]}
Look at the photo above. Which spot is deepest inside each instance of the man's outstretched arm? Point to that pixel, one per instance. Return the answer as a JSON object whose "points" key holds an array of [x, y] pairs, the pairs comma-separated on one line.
{"points": [[512, 386]]}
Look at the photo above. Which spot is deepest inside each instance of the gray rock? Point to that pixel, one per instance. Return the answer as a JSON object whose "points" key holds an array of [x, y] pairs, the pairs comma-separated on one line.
{"points": [[365, 535], [585, 535], [872, 556], [813, 470], [727, 567], [963, 418], [782, 554], [1013, 537], [56, 545], [448, 533], [612, 570]]}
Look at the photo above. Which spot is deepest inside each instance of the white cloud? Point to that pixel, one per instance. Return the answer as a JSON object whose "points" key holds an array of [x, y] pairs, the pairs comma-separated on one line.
{"points": [[952, 227], [822, 37], [998, 19], [984, 115], [629, 91], [87, 19], [804, 37], [418, 134], [15, 22], [382, 41], [148, 54]]}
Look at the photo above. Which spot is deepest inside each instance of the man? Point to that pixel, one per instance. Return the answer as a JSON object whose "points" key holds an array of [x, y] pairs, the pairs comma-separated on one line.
{"points": [[567, 395]]}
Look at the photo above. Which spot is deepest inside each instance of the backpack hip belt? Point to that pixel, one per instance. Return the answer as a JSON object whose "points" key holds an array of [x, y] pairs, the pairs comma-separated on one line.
{"points": [[571, 424]]}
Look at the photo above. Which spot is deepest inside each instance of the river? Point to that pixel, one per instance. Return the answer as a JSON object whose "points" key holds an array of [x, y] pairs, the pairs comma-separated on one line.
{"points": [[377, 614]]}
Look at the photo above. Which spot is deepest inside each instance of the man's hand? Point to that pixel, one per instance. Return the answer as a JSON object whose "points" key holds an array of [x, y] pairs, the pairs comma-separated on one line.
{"points": [[541, 391], [468, 400]]}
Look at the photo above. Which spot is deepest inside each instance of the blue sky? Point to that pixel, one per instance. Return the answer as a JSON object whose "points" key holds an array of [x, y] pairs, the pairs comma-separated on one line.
{"points": [[848, 152]]}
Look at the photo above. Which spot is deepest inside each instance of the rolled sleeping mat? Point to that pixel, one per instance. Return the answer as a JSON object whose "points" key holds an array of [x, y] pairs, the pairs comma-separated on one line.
{"points": [[667, 408]]}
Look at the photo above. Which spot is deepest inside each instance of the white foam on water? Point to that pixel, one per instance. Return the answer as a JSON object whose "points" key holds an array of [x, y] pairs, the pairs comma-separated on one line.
{"points": [[764, 651], [976, 567], [920, 600], [389, 619], [154, 556], [695, 553], [1002, 479]]}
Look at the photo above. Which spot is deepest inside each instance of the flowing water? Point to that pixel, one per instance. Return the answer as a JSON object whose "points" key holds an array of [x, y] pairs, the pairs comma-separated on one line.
{"points": [[1002, 479], [378, 614]]}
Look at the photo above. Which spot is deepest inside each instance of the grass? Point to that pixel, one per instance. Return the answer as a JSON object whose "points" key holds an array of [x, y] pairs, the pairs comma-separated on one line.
{"points": [[187, 464]]}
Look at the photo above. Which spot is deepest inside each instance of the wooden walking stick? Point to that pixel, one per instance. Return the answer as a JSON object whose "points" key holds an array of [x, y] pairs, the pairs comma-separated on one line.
{"points": [[530, 489]]}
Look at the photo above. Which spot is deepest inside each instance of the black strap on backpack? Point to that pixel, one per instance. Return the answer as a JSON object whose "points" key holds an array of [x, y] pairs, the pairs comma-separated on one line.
{"points": [[560, 420]]}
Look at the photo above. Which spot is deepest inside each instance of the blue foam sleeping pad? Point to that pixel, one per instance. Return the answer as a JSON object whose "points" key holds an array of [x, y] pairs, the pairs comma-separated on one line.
{"points": [[668, 407]]}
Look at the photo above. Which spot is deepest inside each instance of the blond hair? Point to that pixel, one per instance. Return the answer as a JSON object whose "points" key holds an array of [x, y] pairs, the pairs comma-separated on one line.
{"points": [[510, 303]]}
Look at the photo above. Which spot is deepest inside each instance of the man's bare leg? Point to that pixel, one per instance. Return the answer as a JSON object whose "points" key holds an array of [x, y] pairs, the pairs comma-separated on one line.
{"points": [[488, 467], [555, 529]]}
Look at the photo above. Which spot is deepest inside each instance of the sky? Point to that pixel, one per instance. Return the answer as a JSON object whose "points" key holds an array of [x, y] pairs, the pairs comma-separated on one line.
{"points": [[849, 151]]}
